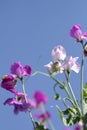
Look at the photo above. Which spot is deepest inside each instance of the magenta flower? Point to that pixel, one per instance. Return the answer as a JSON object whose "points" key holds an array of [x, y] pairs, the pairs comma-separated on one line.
{"points": [[20, 104], [76, 33], [40, 97], [43, 117], [67, 128], [55, 67], [58, 53], [8, 83], [19, 71], [71, 64], [79, 126]]}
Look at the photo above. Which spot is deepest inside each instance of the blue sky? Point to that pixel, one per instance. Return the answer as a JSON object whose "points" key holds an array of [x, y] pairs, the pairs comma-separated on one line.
{"points": [[29, 29]]}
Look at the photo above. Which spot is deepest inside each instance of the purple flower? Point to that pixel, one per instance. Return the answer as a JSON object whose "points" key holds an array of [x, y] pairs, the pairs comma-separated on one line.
{"points": [[67, 128], [71, 64], [58, 53], [20, 104], [8, 83], [40, 97], [19, 71], [43, 117], [76, 33], [55, 67]]}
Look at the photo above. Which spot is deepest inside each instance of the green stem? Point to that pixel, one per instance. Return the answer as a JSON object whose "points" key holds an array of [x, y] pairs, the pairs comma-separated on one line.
{"points": [[70, 100], [50, 76], [39, 72], [81, 84], [61, 85], [49, 121], [30, 114], [74, 98], [72, 93], [67, 92], [58, 82], [23, 89]]}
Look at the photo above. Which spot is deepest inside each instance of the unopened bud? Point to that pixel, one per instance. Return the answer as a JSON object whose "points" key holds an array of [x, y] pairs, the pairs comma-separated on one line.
{"points": [[85, 49]]}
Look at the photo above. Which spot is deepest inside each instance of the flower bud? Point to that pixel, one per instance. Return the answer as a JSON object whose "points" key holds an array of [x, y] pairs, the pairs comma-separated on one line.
{"points": [[58, 53], [85, 49]]}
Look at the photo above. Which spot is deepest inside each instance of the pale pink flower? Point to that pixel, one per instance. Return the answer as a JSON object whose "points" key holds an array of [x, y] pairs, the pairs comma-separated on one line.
{"points": [[58, 53], [49, 66], [71, 64], [76, 33], [55, 67]]}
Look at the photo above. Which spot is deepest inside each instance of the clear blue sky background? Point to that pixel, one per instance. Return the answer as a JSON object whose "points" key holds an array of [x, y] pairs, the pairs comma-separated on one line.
{"points": [[29, 29]]}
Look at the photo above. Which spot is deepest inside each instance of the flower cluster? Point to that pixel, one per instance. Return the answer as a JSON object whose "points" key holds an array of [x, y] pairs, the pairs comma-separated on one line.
{"points": [[65, 64], [74, 113], [61, 63], [20, 101]]}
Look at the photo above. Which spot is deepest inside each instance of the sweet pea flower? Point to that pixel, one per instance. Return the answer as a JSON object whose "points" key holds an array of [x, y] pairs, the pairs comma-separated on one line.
{"points": [[49, 66], [20, 104], [79, 126], [67, 128], [76, 33], [55, 67], [8, 83], [58, 53], [40, 98], [19, 71], [71, 64], [43, 117]]}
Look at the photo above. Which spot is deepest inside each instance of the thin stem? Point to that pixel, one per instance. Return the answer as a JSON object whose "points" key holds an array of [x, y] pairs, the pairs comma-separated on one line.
{"points": [[32, 120], [23, 89], [74, 98], [70, 100], [58, 82], [67, 82], [62, 86], [50, 76], [67, 92], [72, 93], [30, 114], [39, 72], [81, 83], [49, 121]]}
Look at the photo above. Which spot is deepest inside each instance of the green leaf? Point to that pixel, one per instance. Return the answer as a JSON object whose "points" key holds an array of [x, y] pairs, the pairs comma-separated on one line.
{"points": [[85, 86], [57, 96], [85, 122], [85, 91], [40, 126], [69, 116], [84, 106], [84, 99]]}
